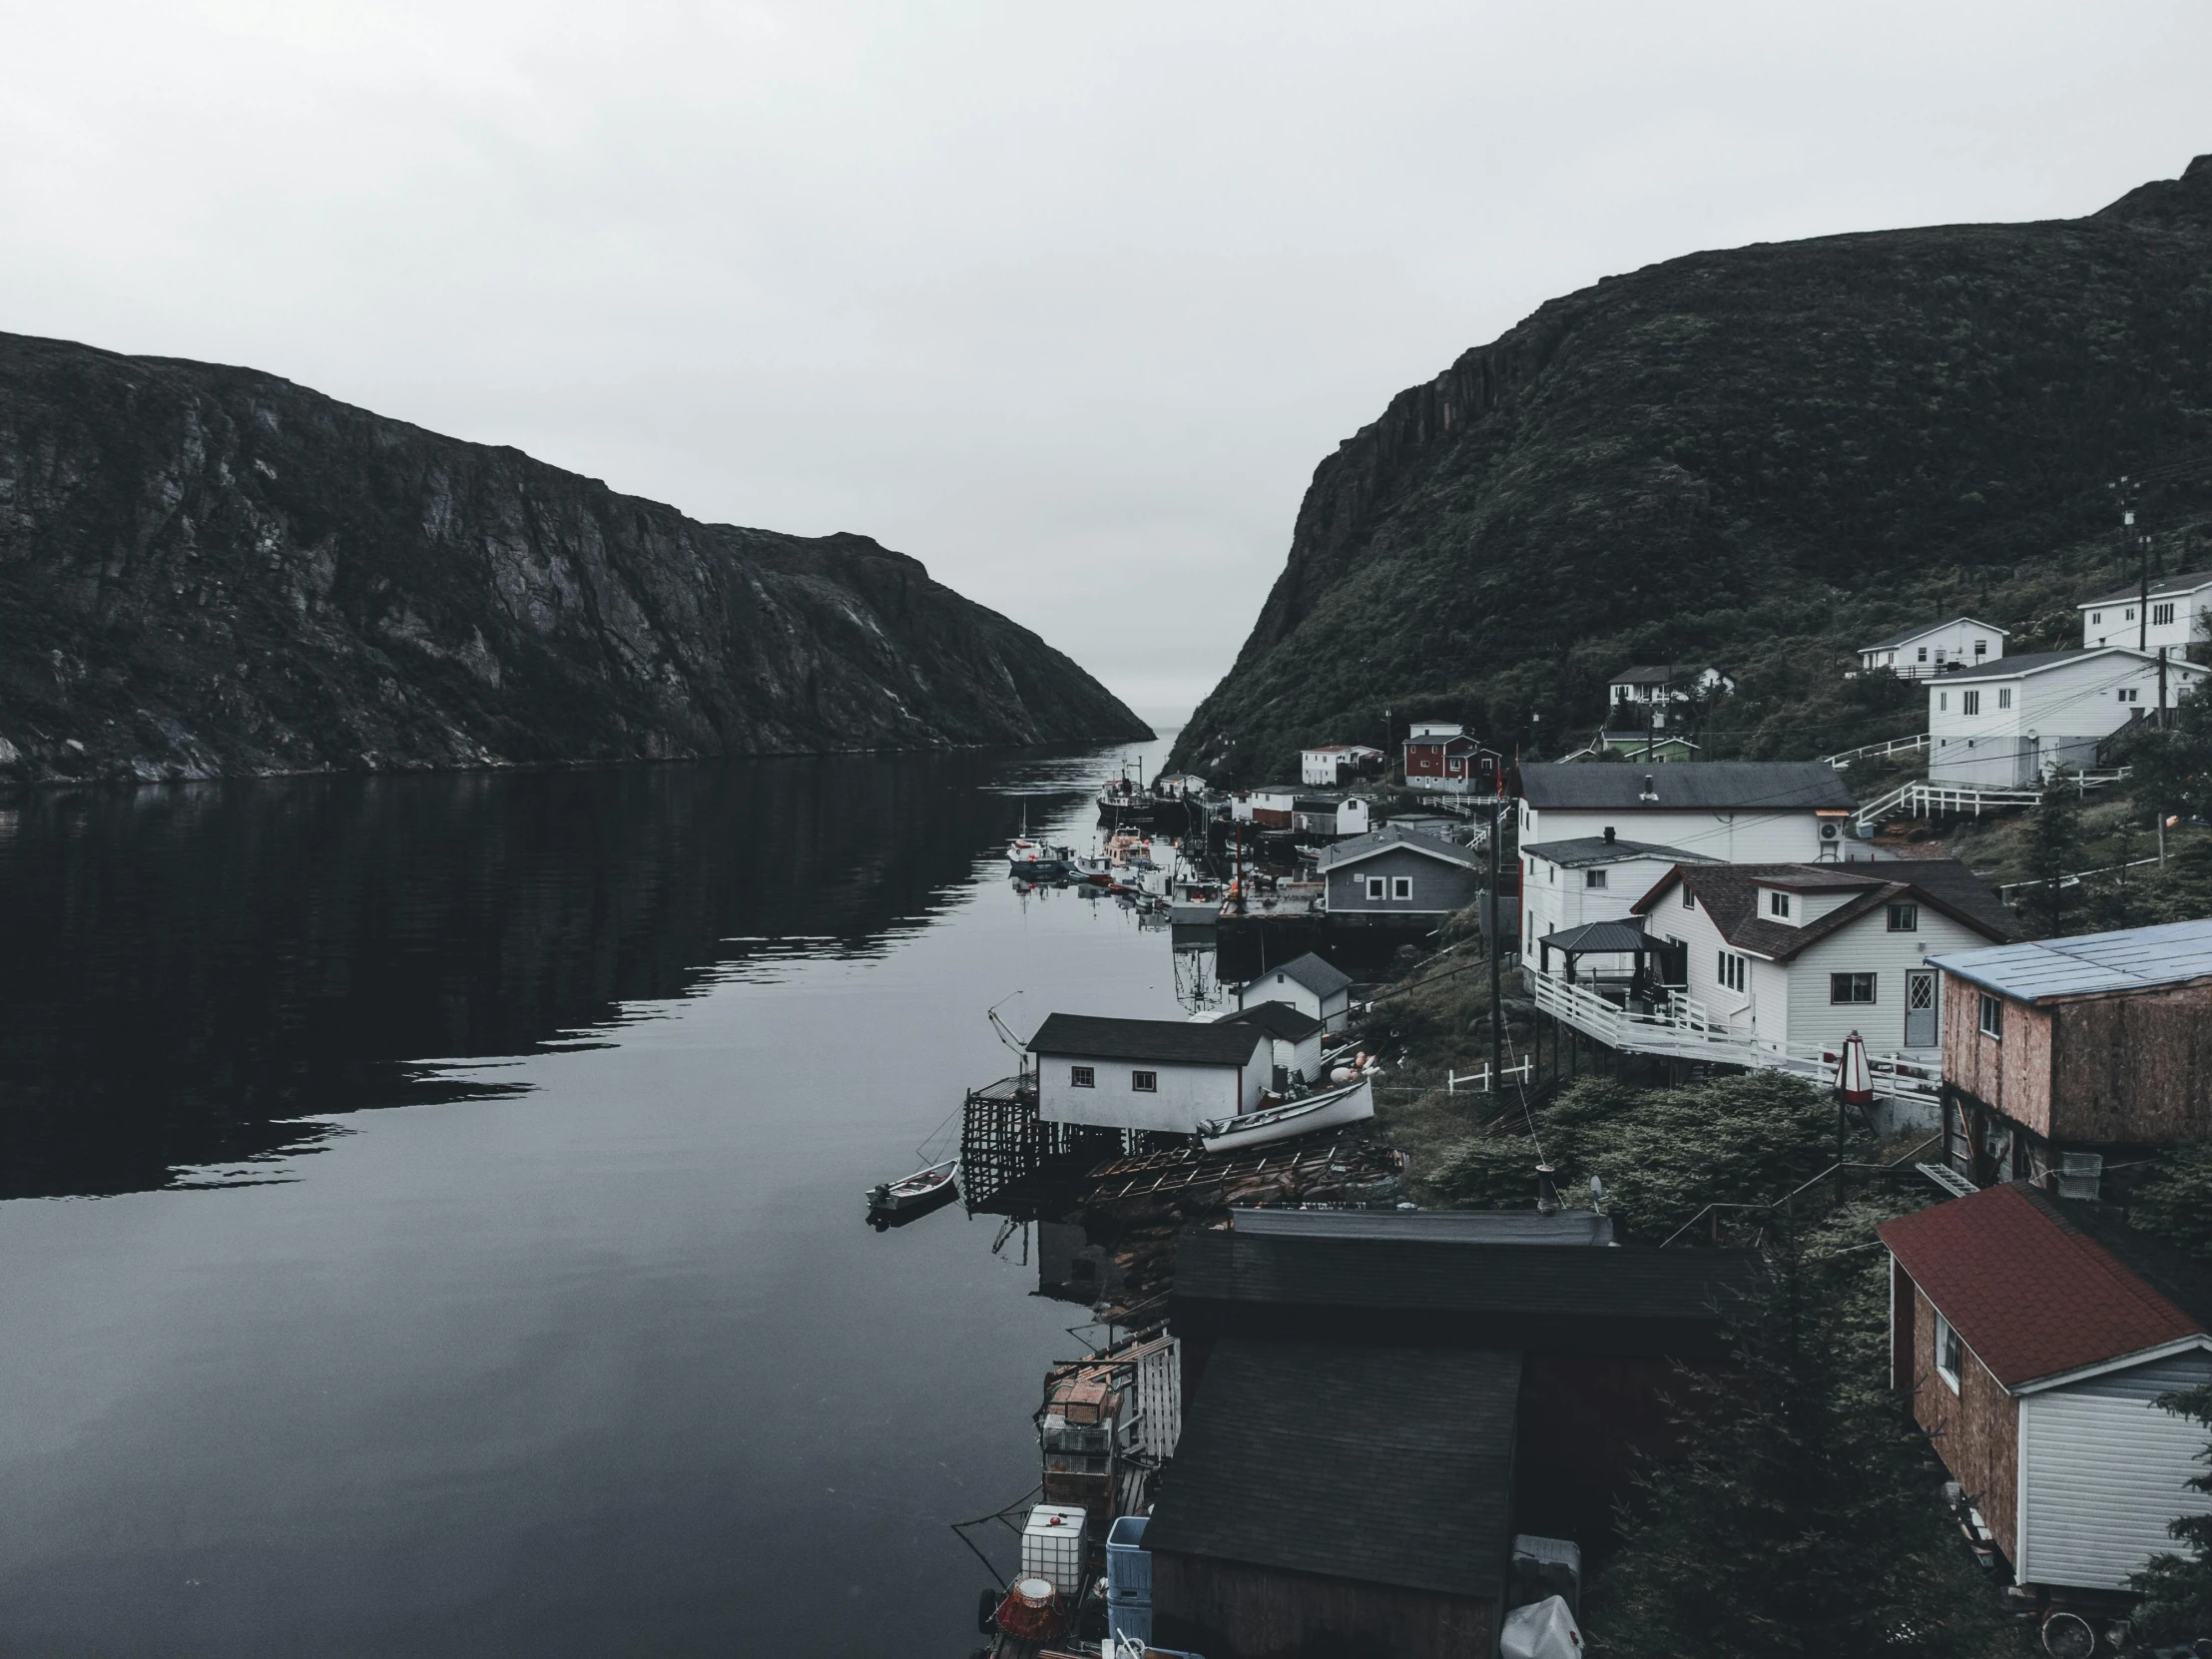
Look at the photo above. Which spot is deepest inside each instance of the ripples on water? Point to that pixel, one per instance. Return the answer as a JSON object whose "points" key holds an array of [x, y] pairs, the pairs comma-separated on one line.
{"points": [[590, 1351]]}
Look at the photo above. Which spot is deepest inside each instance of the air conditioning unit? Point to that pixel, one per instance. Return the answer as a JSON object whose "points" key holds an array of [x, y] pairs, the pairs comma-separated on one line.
{"points": [[1831, 831], [2081, 1175]]}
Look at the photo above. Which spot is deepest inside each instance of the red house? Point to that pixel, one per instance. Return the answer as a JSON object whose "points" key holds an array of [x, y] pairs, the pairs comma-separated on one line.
{"points": [[1447, 759]]}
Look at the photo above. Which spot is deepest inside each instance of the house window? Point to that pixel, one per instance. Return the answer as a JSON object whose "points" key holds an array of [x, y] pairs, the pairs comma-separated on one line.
{"points": [[1849, 987], [2161, 613], [1593, 878], [1401, 886], [1970, 702], [1778, 905], [1905, 918], [1145, 1082], [2130, 694], [1950, 1351], [2097, 616], [1924, 654], [1732, 973], [2004, 697], [1992, 1016], [1981, 649], [1082, 1077], [1377, 887], [2129, 615], [1942, 701]]}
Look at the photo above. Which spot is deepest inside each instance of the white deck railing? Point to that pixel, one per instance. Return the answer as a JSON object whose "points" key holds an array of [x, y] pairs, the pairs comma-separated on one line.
{"points": [[1925, 799], [1687, 1030], [1896, 745]]}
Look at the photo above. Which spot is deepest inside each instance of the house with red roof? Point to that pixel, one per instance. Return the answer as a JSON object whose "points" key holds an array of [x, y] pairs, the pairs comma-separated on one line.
{"points": [[2036, 1335]]}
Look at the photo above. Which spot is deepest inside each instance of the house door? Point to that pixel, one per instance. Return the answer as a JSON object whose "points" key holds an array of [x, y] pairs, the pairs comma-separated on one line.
{"points": [[1920, 1009]]}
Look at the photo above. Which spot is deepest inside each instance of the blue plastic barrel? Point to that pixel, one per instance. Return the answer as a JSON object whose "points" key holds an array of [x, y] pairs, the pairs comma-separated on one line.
{"points": [[1128, 1562], [1130, 1621]]}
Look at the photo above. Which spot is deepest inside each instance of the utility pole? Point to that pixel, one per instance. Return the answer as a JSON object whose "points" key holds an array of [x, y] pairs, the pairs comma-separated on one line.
{"points": [[1651, 729], [1497, 911], [2161, 688]]}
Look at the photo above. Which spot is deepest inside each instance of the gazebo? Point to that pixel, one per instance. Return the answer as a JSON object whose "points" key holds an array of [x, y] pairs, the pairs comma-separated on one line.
{"points": [[1602, 938]]}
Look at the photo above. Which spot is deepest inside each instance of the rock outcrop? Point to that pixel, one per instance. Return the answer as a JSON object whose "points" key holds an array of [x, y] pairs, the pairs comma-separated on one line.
{"points": [[208, 571], [1757, 457]]}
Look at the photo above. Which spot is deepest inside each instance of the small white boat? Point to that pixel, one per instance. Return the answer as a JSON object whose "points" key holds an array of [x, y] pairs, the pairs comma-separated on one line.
{"points": [[910, 1192], [1353, 1103]]}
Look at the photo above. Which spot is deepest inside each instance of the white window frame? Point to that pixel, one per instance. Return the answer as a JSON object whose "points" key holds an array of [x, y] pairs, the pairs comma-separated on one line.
{"points": [[1946, 1336], [1943, 702], [2161, 615], [1905, 916], [1144, 1082], [1378, 885], [1989, 1017], [1778, 905], [2004, 697], [1733, 971], [1970, 702], [1082, 1077], [1401, 889], [1595, 878]]}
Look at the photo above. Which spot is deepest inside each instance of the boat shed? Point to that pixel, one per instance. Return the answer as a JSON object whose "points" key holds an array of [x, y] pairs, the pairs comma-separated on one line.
{"points": [[1161, 1076], [1294, 1039], [1309, 984], [1397, 876], [1602, 1334], [1335, 1499]]}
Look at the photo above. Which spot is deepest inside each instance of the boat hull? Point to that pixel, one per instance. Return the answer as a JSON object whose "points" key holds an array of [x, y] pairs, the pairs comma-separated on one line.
{"points": [[1353, 1103]]}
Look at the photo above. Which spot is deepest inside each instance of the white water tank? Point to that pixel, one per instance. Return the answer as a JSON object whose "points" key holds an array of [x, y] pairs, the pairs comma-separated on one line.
{"points": [[1053, 1547]]}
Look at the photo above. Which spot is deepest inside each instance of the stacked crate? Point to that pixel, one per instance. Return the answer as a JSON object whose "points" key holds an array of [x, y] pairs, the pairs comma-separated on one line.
{"points": [[1128, 1581]]}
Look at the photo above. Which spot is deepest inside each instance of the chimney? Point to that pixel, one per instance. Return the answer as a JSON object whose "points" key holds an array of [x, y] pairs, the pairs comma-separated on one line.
{"points": [[1608, 834], [1651, 789]]}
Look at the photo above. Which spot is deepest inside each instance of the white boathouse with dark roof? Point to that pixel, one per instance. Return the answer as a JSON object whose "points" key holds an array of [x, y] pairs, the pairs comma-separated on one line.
{"points": [[1307, 983], [1149, 1074]]}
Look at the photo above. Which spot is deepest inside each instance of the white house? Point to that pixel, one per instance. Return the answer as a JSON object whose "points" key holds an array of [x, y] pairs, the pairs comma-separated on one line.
{"points": [[1733, 811], [1804, 955], [1936, 647], [1155, 1074], [1267, 805], [2179, 608], [1641, 695], [1293, 1041], [1589, 879], [2006, 724], [1331, 814], [1308, 984], [1334, 763]]}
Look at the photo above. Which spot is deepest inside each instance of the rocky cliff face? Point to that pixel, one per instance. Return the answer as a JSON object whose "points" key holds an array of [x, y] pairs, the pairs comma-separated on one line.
{"points": [[208, 571], [1759, 457]]}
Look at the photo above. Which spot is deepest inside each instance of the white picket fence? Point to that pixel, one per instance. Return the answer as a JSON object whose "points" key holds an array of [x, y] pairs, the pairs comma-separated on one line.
{"points": [[1925, 799]]}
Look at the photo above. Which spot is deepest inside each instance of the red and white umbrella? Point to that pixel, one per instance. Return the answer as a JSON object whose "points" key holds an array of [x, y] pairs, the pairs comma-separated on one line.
{"points": [[1852, 1075]]}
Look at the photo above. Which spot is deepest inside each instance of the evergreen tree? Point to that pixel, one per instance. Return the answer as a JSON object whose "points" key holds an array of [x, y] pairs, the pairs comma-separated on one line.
{"points": [[2053, 852], [2177, 1590], [1803, 1522]]}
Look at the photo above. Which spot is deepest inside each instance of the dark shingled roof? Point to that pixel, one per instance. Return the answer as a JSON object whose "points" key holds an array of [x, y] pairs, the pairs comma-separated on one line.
{"points": [[1169, 1041], [1385, 1466], [1929, 628], [1578, 852], [1686, 785], [1730, 895], [2035, 662], [1310, 971], [1600, 938], [1654, 674], [1277, 1020]]}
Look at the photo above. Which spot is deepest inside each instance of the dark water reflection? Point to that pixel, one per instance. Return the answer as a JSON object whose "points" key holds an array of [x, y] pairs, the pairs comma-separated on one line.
{"points": [[581, 1346], [190, 971]]}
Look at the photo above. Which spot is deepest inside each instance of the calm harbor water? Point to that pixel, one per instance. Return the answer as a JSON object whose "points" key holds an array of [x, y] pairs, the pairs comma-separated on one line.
{"points": [[430, 1213]]}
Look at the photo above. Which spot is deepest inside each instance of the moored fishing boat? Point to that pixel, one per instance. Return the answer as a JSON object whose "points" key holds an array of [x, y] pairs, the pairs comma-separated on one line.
{"points": [[1352, 1103], [910, 1192]]}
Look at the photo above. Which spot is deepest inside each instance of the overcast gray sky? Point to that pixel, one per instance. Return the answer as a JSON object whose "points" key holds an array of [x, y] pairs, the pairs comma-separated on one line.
{"points": [[1065, 300]]}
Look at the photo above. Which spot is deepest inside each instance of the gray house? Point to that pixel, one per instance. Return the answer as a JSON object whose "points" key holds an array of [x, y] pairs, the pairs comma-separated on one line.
{"points": [[1394, 877]]}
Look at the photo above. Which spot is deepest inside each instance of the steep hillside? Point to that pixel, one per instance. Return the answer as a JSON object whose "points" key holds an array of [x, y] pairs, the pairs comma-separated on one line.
{"points": [[208, 570], [1761, 458]]}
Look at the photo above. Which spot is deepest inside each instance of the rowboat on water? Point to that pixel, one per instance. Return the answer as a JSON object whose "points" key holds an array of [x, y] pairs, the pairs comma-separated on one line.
{"points": [[1353, 1103], [913, 1191]]}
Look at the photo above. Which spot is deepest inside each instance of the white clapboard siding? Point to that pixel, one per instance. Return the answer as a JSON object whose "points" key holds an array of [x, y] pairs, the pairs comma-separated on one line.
{"points": [[1868, 947], [2102, 1472]]}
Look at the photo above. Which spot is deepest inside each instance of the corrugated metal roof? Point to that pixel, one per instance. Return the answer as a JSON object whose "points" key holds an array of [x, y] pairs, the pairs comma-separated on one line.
{"points": [[1687, 786], [1384, 1465], [2131, 960], [1578, 1227]]}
